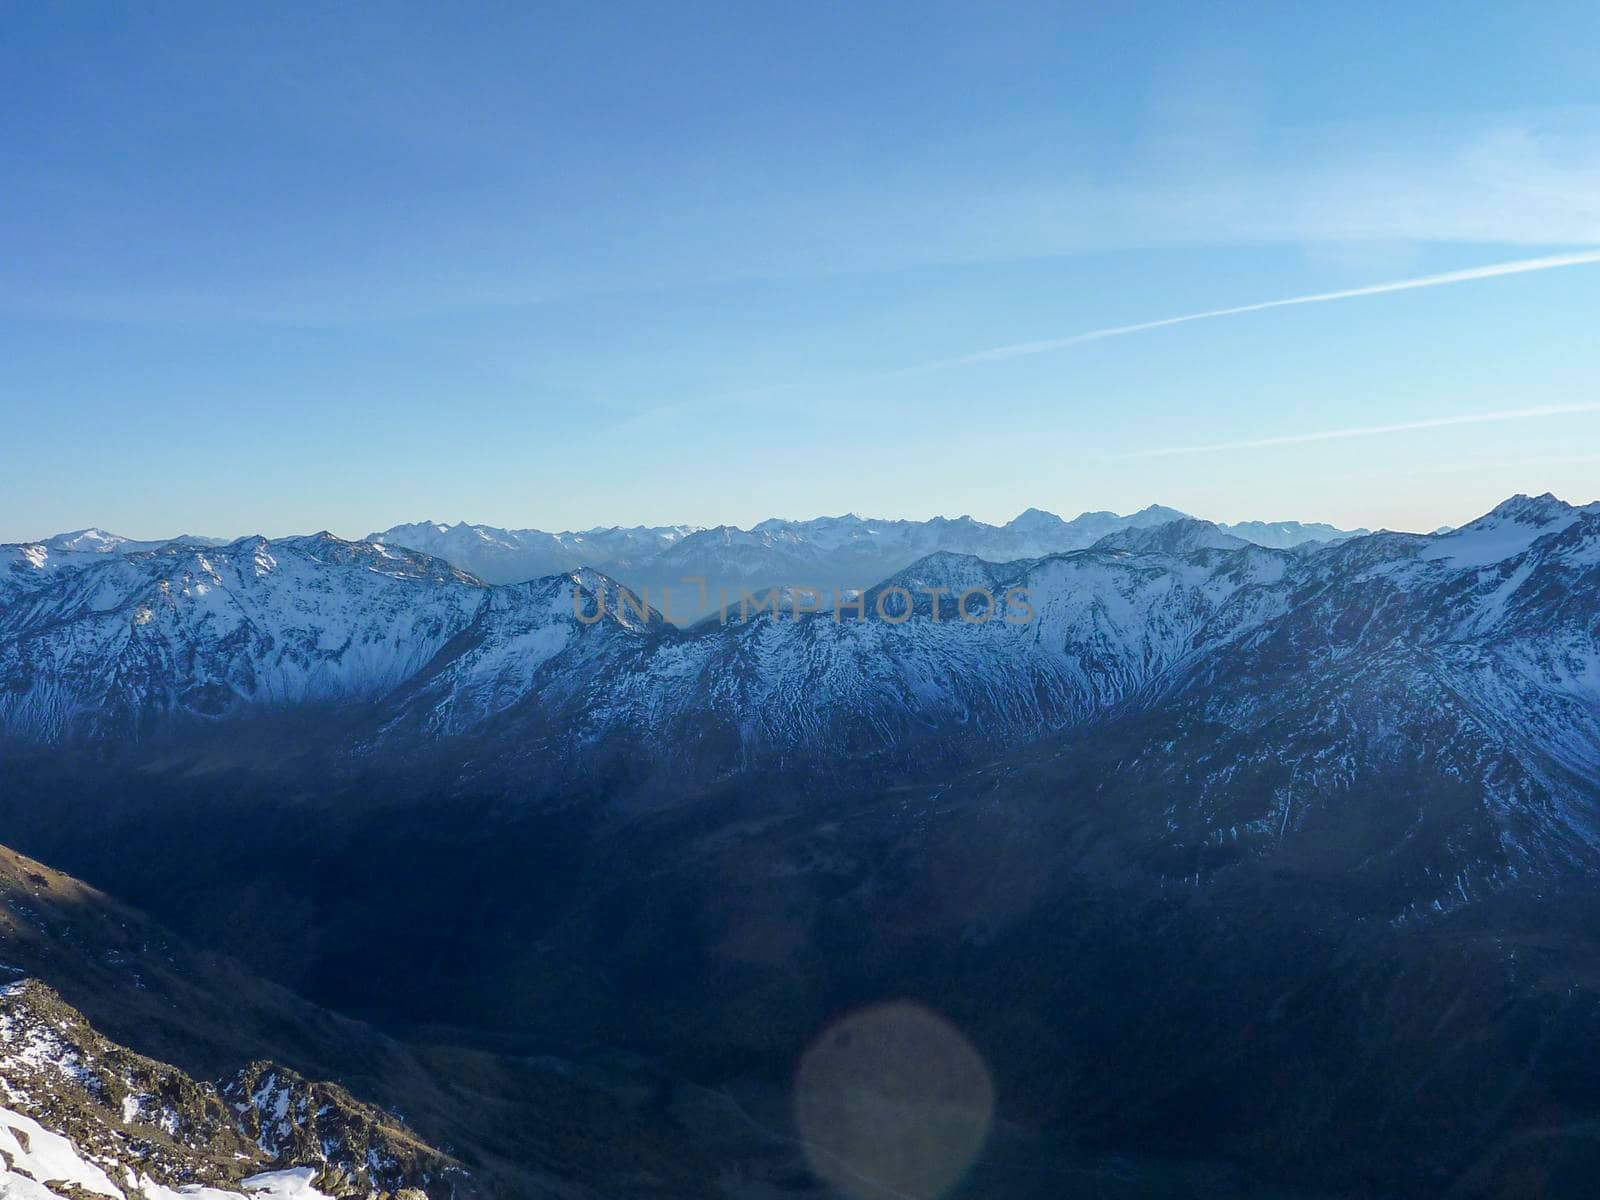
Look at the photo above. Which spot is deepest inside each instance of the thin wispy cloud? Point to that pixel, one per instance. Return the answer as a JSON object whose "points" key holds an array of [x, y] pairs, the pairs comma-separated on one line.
{"points": [[1328, 435], [1491, 271]]}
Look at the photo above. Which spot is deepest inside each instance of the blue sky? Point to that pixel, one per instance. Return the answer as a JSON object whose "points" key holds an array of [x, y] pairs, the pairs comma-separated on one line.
{"points": [[282, 269]]}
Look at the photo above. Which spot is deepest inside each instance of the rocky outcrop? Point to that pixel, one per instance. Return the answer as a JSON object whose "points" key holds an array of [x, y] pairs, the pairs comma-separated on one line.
{"points": [[134, 1126]]}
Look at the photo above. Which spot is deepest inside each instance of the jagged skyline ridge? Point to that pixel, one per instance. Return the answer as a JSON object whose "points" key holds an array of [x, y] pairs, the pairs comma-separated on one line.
{"points": [[102, 538]]}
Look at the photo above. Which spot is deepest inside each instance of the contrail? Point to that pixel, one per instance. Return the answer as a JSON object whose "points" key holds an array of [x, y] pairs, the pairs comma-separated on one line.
{"points": [[1492, 271], [1510, 414]]}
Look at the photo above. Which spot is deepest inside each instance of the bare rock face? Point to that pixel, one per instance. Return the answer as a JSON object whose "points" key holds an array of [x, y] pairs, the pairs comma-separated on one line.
{"points": [[293, 1119], [84, 1116]]}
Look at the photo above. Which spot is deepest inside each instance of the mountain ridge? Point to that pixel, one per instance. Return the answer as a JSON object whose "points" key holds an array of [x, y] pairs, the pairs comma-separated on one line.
{"points": [[848, 551], [212, 631], [686, 568]]}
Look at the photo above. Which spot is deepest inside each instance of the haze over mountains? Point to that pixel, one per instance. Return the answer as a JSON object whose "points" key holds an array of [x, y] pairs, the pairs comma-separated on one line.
{"points": [[847, 552]]}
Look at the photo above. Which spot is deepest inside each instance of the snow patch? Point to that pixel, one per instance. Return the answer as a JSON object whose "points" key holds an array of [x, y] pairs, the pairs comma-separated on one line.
{"points": [[45, 1157]]}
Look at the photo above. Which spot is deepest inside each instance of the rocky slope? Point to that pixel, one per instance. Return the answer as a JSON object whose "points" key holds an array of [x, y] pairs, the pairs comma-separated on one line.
{"points": [[81, 1110], [101, 983]]}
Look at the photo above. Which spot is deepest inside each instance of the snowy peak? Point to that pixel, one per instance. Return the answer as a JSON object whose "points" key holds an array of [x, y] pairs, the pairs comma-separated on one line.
{"points": [[1035, 521], [945, 570], [1509, 529], [1156, 514], [394, 562], [590, 596], [94, 541], [403, 535], [98, 541], [1531, 512], [1286, 535], [550, 639], [1527, 510], [1184, 536]]}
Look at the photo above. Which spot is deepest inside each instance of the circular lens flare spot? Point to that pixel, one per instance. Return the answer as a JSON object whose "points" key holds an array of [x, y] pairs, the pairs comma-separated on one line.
{"points": [[892, 1101]]}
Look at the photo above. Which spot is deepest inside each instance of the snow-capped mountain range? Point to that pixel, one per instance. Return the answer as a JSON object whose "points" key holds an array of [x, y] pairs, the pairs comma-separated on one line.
{"points": [[1498, 616], [848, 553], [92, 640]]}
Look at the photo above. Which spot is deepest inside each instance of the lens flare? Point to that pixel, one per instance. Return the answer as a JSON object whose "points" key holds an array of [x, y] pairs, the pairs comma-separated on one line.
{"points": [[892, 1102]]}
